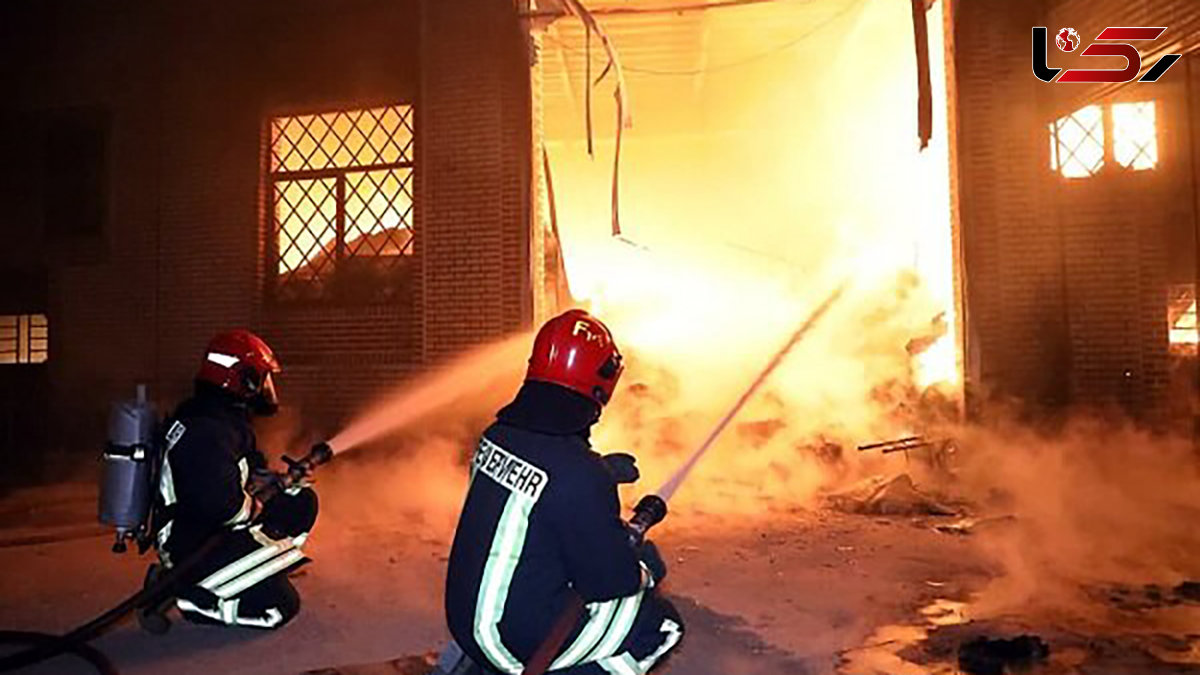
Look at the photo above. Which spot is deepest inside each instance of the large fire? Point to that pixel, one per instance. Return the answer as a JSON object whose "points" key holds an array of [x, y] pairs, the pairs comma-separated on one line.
{"points": [[746, 197]]}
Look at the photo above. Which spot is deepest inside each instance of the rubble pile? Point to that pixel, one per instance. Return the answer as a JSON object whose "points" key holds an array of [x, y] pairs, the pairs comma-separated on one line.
{"points": [[897, 496]]}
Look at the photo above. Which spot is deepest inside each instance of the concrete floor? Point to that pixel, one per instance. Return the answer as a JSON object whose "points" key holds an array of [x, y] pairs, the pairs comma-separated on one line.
{"points": [[806, 592]]}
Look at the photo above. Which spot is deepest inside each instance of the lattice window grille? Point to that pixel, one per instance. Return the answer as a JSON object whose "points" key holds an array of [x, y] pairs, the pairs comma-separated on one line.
{"points": [[1077, 143], [342, 186]]}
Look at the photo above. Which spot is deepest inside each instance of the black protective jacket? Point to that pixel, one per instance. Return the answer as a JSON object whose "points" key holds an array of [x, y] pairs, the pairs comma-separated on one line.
{"points": [[541, 522], [210, 454]]}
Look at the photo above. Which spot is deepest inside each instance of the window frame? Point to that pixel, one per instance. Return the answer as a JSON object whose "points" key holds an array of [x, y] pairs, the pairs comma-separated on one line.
{"points": [[270, 253], [25, 326], [1109, 163], [1058, 162], [1155, 141]]}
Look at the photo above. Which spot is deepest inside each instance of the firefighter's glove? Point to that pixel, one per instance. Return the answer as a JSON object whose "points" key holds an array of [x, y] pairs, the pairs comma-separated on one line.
{"points": [[262, 483], [622, 466], [648, 554], [293, 483], [294, 488], [288, 515]]}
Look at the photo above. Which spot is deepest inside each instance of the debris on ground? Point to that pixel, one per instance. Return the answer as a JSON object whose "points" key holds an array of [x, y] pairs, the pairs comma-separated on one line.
{"points": [[848, 499], [968, 525], [1148, 596], [938, 452], [895, 497], [967, 646], [995, 656], [961, 527], [1188, 590]]}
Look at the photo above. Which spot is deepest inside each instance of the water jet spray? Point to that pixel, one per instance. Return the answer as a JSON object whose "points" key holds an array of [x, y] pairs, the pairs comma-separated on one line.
{"points": [[486, 367]]}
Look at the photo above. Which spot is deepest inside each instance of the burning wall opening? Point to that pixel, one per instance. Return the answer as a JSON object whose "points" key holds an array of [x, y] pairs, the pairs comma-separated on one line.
{"points": [[773, 153]]}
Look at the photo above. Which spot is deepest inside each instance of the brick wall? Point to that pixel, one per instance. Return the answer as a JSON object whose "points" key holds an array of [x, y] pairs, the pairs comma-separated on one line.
{"points": [[101, 289], [1116, 284], [1118, 231], [188, 88], [306, 59], [1016, 339], [1066, 280], [476, 195]]}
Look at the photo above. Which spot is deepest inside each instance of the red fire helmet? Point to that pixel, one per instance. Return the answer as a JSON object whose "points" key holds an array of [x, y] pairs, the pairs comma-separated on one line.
{"points": [[575, 350], [241, 363]]}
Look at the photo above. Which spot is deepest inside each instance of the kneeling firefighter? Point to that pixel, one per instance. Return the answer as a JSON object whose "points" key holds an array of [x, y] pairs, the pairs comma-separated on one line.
{"points": [[214, 482], [541, 529]]}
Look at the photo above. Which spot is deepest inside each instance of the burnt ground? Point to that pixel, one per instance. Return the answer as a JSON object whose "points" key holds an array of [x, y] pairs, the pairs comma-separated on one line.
{"points": [[802, 592]]}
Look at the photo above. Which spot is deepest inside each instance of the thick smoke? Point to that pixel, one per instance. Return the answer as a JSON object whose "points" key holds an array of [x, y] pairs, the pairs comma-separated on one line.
{"points": [[1095, 503]]}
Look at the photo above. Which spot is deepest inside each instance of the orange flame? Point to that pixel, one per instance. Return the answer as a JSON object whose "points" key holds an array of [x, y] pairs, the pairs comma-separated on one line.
{"points": [[744, 208]]}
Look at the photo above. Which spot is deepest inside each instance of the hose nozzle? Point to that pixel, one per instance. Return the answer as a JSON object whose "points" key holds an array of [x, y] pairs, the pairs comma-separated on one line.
{"points": [[299, 469], [649, 512], [320, 453]]}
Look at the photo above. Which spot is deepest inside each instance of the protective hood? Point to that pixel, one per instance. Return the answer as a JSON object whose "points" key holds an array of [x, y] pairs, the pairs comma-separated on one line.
{"points": [[550, 409]]}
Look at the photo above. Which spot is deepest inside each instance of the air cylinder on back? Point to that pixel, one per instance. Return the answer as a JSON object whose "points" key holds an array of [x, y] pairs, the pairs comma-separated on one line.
{"points": [[126, 489]]}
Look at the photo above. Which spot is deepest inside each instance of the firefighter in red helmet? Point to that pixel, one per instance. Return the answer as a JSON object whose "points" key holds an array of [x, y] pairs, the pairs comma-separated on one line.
{"points": [[541, 526], [243, 366], [207, 487]]}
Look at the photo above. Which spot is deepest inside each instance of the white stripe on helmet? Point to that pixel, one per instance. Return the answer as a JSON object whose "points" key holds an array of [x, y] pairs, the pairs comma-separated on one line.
{"points": [[223, 360]]}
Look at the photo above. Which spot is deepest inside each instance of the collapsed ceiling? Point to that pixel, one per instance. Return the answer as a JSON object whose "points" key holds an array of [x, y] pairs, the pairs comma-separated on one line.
{"points": [[671, 50]]}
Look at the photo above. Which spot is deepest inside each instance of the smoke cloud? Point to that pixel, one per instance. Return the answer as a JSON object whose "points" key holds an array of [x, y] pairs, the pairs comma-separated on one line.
{"points": [[1095, 503]]}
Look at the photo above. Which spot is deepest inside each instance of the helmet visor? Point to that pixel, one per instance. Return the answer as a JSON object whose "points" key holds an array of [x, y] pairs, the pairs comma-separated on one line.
{"points": [[266, 402]]}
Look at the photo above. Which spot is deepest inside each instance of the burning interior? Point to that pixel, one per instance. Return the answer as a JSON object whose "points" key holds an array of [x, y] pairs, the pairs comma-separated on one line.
{"points": [[773, 152]]}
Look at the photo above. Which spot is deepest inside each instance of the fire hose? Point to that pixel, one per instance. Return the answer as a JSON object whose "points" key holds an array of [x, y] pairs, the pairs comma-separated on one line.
{"points": [[652, 508], [47, 646], [667, 490]]}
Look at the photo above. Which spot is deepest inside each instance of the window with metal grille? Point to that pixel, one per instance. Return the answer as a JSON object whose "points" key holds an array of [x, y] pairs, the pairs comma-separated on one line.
{"points": [[1135, 135], [342, 189], [1077, 143], [24, 338]]}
